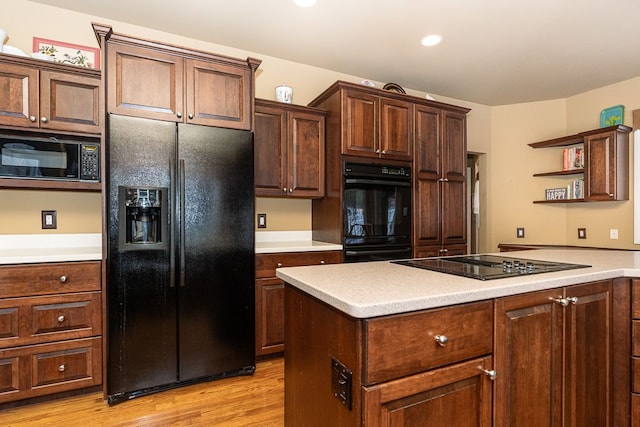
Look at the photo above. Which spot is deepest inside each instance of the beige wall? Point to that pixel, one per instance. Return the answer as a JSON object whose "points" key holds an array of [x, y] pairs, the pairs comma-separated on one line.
{"points": [[500, 135]]}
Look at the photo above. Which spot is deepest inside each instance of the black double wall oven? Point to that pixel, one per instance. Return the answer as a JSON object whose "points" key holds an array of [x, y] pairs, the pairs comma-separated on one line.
{"points": [[376, 212]]}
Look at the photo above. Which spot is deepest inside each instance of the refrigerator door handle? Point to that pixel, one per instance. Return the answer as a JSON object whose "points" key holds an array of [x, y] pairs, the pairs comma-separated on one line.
{"points": [[172, 239], [182, 225]]}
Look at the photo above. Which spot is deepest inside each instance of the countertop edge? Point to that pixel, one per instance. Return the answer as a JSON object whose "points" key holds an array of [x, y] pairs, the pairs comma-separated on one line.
{"points": [[436, 290]]}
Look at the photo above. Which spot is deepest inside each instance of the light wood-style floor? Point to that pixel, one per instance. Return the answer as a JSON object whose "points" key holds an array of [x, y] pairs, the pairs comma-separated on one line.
{"points": [[246, 401]]}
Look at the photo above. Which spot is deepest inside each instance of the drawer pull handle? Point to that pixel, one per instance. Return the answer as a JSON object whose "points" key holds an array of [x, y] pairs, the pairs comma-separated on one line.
{"points": [[61, 318], [562, 301], [63, 279], [62, 368], [442, 340], [492, 374]]}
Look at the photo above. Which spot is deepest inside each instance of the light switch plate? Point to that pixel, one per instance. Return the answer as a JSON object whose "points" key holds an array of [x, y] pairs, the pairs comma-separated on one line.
{"points": [[582, 233], [262, 220], [49, 220], [520, 232]]}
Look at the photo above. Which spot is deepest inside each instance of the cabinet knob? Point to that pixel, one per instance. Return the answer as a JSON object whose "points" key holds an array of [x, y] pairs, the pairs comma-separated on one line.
{"points": [[492, 374], [291, 190], [573, 300], [279, 264], [562, 301], [61, 318], [284, 190], [384, 151], [442, 340], [378, 151], [63, 279], [179, 114], [62, 368], [322, 262], [44, 119], [32, 119], [190, 116]]}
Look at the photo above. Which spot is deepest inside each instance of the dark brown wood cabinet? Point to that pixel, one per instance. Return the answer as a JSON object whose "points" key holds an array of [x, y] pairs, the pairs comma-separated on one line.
{"points": [[289, 147], [50, 328], [606, 163], [45, 96], [164, 82], [439, 181], [429, 367], [555, 359], [373, 123], [269, 290]]}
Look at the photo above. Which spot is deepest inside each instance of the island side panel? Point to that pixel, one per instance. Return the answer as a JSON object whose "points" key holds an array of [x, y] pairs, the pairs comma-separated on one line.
{"points": [[314, 334]]}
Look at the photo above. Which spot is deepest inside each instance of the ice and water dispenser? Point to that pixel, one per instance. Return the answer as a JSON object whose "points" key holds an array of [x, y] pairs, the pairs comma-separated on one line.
{"points": [[143, 218]]}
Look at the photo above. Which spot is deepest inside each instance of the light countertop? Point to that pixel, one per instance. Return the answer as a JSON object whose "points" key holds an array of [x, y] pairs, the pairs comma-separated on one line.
{"points": [[370, 289], [34, 248], [290, 241]]}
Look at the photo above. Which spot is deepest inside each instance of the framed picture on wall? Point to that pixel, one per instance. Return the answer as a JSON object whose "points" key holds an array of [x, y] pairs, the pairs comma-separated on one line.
{"points": [[68, 53]]}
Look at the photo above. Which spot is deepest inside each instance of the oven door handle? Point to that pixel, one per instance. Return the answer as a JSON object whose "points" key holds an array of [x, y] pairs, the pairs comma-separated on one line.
{"points": [[378, 252], [378, 182]]}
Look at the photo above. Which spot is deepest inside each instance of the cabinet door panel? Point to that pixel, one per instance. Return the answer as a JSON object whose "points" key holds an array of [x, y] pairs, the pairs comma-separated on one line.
{"points": [[270, 325], [427, 219], [396, 129], [455, 154], [454, 208], [458, 395], [145, 83], [306, 154], [588, 364], [218, 95], [18, 95], [428, 132], [528, 360], [360, 124], [69, 102], [270, 160]]}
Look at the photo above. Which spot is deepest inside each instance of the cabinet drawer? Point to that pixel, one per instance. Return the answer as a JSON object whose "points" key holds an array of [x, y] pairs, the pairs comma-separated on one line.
{"points": [[266, 264], [400, 345], [35, 320], [52, 278], [37, 370]]}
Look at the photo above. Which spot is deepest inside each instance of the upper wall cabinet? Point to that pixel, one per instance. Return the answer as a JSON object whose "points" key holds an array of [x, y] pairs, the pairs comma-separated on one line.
{"points": [[164, 82], [42, 95], [375, 123], [289, 150], [605, 165]]}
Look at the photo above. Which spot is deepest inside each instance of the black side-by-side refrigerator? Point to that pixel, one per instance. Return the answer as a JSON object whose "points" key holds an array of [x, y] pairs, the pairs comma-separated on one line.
{"points": [[180, 256]]}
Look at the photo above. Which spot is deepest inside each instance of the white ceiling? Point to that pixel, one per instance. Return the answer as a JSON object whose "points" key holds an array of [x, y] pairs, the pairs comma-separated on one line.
{"points": [[494, 52]]}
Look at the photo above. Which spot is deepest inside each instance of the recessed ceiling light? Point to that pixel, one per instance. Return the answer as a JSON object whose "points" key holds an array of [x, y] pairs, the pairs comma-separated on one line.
{"points": [[305, 3], [431, 40]]}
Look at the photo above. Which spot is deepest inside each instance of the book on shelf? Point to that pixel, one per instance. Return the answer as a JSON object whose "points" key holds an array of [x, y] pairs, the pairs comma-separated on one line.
{"points": [[573, 190], [573, 158]]}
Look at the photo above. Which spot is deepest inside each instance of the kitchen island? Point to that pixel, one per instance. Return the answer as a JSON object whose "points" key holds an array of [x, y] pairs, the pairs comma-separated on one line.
{"points": [[385, 344]]}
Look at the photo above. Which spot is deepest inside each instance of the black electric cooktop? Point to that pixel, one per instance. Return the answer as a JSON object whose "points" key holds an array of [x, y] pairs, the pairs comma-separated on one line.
{"points": [[486, 267]]}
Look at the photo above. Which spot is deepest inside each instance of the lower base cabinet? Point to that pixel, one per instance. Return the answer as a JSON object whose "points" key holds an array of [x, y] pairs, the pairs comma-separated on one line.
{"points": [[559, 357], [270, 294], [555, 358], [50, 328]]}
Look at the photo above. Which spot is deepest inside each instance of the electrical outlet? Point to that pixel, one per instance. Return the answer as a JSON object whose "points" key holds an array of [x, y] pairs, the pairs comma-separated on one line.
{"points": [[262, 220], [613, 233], [49, 220], [520, 232], [582, 233]]}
